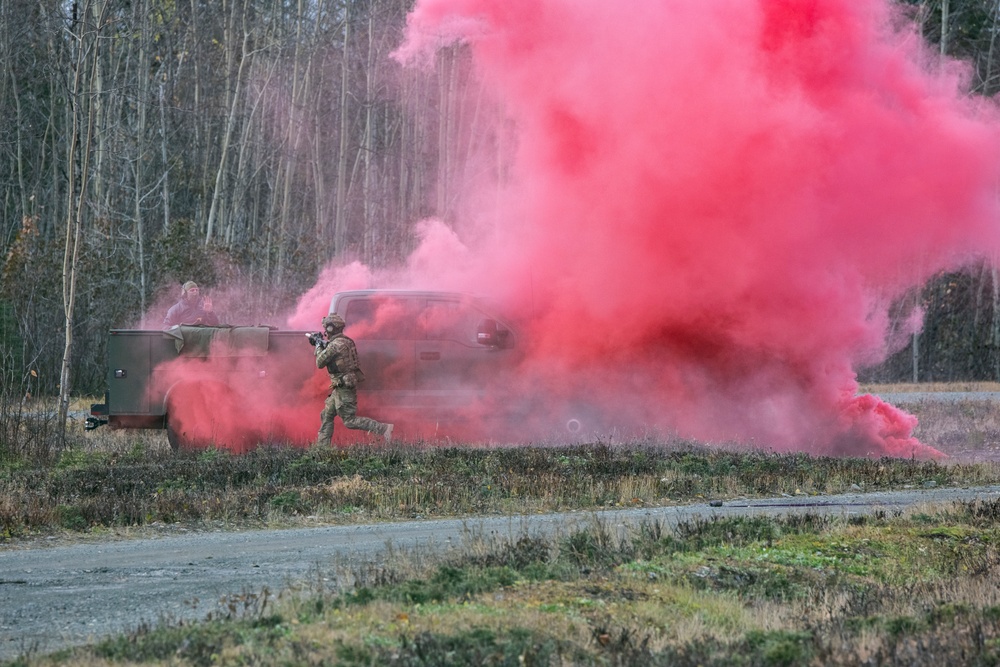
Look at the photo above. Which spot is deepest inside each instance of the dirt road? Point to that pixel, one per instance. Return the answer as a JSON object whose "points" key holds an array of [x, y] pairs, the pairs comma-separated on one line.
{"points": [[53, 597]]}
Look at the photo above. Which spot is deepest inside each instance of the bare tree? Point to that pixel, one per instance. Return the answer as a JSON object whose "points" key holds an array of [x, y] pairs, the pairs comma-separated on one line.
{"points": [[85, 85], [340, 220]]}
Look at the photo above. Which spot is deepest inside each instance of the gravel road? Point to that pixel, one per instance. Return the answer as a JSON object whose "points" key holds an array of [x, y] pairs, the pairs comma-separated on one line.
{"points": [[57, 596]]}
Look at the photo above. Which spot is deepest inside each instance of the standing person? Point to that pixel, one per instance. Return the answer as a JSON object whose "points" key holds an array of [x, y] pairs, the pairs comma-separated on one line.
{"points": [[340, 358], [191, 309]]}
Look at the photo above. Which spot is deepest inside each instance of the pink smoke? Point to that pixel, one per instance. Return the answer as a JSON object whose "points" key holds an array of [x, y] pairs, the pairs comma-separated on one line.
{"points": [[315, 303], [714, 203], [238, 398]]}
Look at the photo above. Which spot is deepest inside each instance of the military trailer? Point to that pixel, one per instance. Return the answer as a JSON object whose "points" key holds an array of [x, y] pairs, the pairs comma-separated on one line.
{"points": [[430, 357]]}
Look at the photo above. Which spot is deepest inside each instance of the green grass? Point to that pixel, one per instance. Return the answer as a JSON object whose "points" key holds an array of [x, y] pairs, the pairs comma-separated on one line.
{"points": [[916, 589], [919, 588], [135, 487], [121, 480]]}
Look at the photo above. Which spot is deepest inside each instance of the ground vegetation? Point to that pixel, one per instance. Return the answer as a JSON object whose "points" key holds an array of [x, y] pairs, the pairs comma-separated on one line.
{"points": [[893, 588], [890, 588]]}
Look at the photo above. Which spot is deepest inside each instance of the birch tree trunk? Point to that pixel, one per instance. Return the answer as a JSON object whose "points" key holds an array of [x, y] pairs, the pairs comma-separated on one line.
{"points": [[87, 46], [945, 12], [368, 148], [142, 82], [218, 191], [165, 158], [291, 141], [340, 223]]}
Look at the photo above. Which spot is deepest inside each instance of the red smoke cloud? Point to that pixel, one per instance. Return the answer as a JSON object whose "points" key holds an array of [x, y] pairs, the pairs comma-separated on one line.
{"points": [[228, 389], [225, 389], [710, 209], [713, 204]]}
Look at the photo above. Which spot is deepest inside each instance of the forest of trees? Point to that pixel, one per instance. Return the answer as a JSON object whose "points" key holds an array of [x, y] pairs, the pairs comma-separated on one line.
{"points": [[148, 142]]}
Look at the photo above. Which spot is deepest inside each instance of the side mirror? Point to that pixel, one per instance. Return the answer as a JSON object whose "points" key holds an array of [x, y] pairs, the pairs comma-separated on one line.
{"points": [[490, 334]]}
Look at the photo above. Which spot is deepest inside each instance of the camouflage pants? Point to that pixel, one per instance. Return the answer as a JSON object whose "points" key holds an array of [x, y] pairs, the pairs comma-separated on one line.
{"points": [[343, 402]]}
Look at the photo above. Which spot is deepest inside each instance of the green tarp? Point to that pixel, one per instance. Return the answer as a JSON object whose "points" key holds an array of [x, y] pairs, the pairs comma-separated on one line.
{"points": [[219, 341]]}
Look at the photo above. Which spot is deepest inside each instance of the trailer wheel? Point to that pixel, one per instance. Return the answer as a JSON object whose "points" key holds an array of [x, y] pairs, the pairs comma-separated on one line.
{"points": [[178, 438], [174, 437], [194, 413], [182, 440]]}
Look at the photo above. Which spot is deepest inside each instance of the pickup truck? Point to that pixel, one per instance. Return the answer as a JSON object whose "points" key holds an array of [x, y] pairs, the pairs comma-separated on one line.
{"points": [[433, 361]]}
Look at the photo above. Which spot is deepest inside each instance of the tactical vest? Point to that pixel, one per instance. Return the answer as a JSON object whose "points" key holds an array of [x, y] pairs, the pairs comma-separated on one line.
{"points": [[345, 358]]}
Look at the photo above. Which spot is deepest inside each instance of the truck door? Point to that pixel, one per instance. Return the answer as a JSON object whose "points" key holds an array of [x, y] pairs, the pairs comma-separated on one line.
{"points": [[449, 357], [383, 328]]}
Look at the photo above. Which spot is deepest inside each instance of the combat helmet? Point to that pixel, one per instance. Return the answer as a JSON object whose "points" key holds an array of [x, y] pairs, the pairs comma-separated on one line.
{"points": [[335, 322]]}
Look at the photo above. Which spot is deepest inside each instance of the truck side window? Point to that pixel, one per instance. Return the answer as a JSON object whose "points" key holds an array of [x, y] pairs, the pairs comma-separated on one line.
{"points": [[450, 320], [381, 319]]}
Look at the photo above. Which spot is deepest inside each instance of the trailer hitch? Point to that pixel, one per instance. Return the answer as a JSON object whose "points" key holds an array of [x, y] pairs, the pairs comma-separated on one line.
{"points": [[98, 416]]}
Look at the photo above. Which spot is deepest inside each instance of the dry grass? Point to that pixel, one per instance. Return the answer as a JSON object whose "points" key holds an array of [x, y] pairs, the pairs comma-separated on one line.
{"points": [[920, 588], [968, 430], [131, 481], [916, 589], [907, 387]]}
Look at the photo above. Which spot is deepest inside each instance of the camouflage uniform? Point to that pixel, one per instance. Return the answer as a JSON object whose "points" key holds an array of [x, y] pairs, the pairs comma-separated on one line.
{"points": [[340, 358]]}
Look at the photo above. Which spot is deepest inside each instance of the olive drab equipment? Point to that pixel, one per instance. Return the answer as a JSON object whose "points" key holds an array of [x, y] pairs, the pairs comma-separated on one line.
{"points": [[346, 359], [436, 378]]}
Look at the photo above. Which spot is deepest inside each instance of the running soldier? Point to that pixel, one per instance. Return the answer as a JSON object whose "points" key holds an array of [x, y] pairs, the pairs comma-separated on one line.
{"points": [[340, 358]]}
